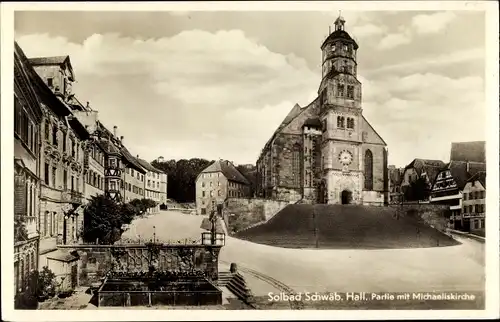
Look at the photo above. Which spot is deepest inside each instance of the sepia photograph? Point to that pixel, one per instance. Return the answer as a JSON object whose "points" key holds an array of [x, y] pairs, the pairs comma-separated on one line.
{"points": [[249, 159]]}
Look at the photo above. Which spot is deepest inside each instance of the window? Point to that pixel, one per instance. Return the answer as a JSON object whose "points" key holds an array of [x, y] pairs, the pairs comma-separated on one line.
{"points": [[350, 91], [65, 179], [47, 130], [368, 170], [132, 172], [465, 195], [138, 176], [323, 125], [46, 174], [218, 184], [203, 184], [203, 193], [210, 184], [72, 183], [350, 123], [54, 135], [296, 167], [50, 82], [112, 185], [77, 185], [64, 141], [340, 121], [211, 193], [340, 90], [346, 48]]}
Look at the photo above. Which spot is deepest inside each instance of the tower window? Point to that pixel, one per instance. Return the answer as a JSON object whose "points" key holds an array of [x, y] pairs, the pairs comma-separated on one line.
{"points": [[340, 121], [350, 123], [333, 48], [350, 91], [323, 125], [345, 48], [340, 91]]}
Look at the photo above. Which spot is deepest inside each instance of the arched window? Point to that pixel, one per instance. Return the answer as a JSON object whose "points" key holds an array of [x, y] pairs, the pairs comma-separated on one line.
{"points": [[296, 166], [368, 170], [340, 121]]}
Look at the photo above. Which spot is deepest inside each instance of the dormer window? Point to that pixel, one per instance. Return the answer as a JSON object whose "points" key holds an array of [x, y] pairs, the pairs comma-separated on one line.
{"points": [[50, 82]]}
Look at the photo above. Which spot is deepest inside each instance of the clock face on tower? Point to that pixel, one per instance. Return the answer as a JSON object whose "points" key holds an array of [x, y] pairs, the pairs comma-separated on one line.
{"points": [[345, 157]]}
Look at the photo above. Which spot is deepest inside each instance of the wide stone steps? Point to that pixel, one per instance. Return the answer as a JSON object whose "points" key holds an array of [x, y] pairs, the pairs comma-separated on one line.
{"points": [[238, 286]]}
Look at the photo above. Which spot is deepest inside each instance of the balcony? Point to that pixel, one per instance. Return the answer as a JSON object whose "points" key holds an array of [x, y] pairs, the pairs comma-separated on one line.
{"points": [[72, 196], [473, 215]]}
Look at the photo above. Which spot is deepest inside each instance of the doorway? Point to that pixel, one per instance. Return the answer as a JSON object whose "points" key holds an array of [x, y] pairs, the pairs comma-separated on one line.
{"points": [[346, 197]]}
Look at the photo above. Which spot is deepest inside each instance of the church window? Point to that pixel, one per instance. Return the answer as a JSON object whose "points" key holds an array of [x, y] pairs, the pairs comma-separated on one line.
{"points": [[346, 48], [350, 123], [368, 170], [296, 167], [340, 91], [340, 121], [350, 91]]}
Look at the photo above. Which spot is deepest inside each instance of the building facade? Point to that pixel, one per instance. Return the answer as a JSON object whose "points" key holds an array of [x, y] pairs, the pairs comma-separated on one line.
{"points": [[419, 169], [27, 121], [152, 184], [134, 177], [327, 152], [474, 204], [466, 160], [61, 161], [216, 183]]}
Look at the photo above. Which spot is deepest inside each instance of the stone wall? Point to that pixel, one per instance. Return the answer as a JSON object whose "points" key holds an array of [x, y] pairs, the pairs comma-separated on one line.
{"points": [[241, 213], [96, 260], [432, 214]]}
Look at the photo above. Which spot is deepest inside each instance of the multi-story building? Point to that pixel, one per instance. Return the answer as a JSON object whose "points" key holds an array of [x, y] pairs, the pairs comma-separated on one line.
{"points": [[152, 184], [216, 183], [163, 190], [61, 166], [27, 120], [419, 169], [474, 204], [466, 160], [327, 151], [133, 177]]}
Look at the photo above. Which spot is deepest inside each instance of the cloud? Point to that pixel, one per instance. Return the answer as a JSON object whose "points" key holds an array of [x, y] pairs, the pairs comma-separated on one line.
{"points": [[446, 59], [368, 30], [394, 40], [419, 115], [432, 23], [216, 93]]}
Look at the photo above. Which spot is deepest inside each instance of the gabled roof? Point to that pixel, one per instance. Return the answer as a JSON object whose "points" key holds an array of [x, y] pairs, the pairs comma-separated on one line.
{"points": [[458, 170], [474, 151], [132, 160], [21, 67], [146, 165], [480, 176], [228, 170], [78, 127], [108, 146], [55, 60], [430, 167]]}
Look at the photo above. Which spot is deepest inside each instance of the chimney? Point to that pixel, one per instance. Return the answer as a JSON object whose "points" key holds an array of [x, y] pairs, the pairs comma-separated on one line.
{"points": [[88, 105], [121, 139], [114, 130]]}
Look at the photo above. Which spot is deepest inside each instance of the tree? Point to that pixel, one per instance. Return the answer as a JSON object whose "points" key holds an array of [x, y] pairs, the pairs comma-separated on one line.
{"points": [[418, 190], [41, 285], [103, 219], [142, 205]]}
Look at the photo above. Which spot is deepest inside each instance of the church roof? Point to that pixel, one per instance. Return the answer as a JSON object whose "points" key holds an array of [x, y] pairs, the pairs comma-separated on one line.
{"points": [[228, 170], [474, 151]]}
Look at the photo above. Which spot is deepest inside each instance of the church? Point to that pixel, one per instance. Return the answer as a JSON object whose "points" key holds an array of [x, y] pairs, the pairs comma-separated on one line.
{"points": [[327, 152]]}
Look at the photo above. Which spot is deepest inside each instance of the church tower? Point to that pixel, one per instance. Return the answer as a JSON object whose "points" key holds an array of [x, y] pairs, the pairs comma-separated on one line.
{"points": [[342, 154]]}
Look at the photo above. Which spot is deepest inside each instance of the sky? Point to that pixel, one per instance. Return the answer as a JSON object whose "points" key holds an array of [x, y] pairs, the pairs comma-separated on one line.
{"points": [[217, 84]]}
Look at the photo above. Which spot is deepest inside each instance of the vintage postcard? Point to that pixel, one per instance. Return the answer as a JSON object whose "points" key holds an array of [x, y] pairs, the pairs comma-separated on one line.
{"points": [[260, 160]]}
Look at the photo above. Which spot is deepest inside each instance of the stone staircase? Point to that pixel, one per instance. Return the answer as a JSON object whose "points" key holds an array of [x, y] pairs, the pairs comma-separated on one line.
{"points": [[237, 285]]}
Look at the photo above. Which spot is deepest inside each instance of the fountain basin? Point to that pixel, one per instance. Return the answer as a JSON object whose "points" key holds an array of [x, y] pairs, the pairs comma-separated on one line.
{"points": [[131, 291]]}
